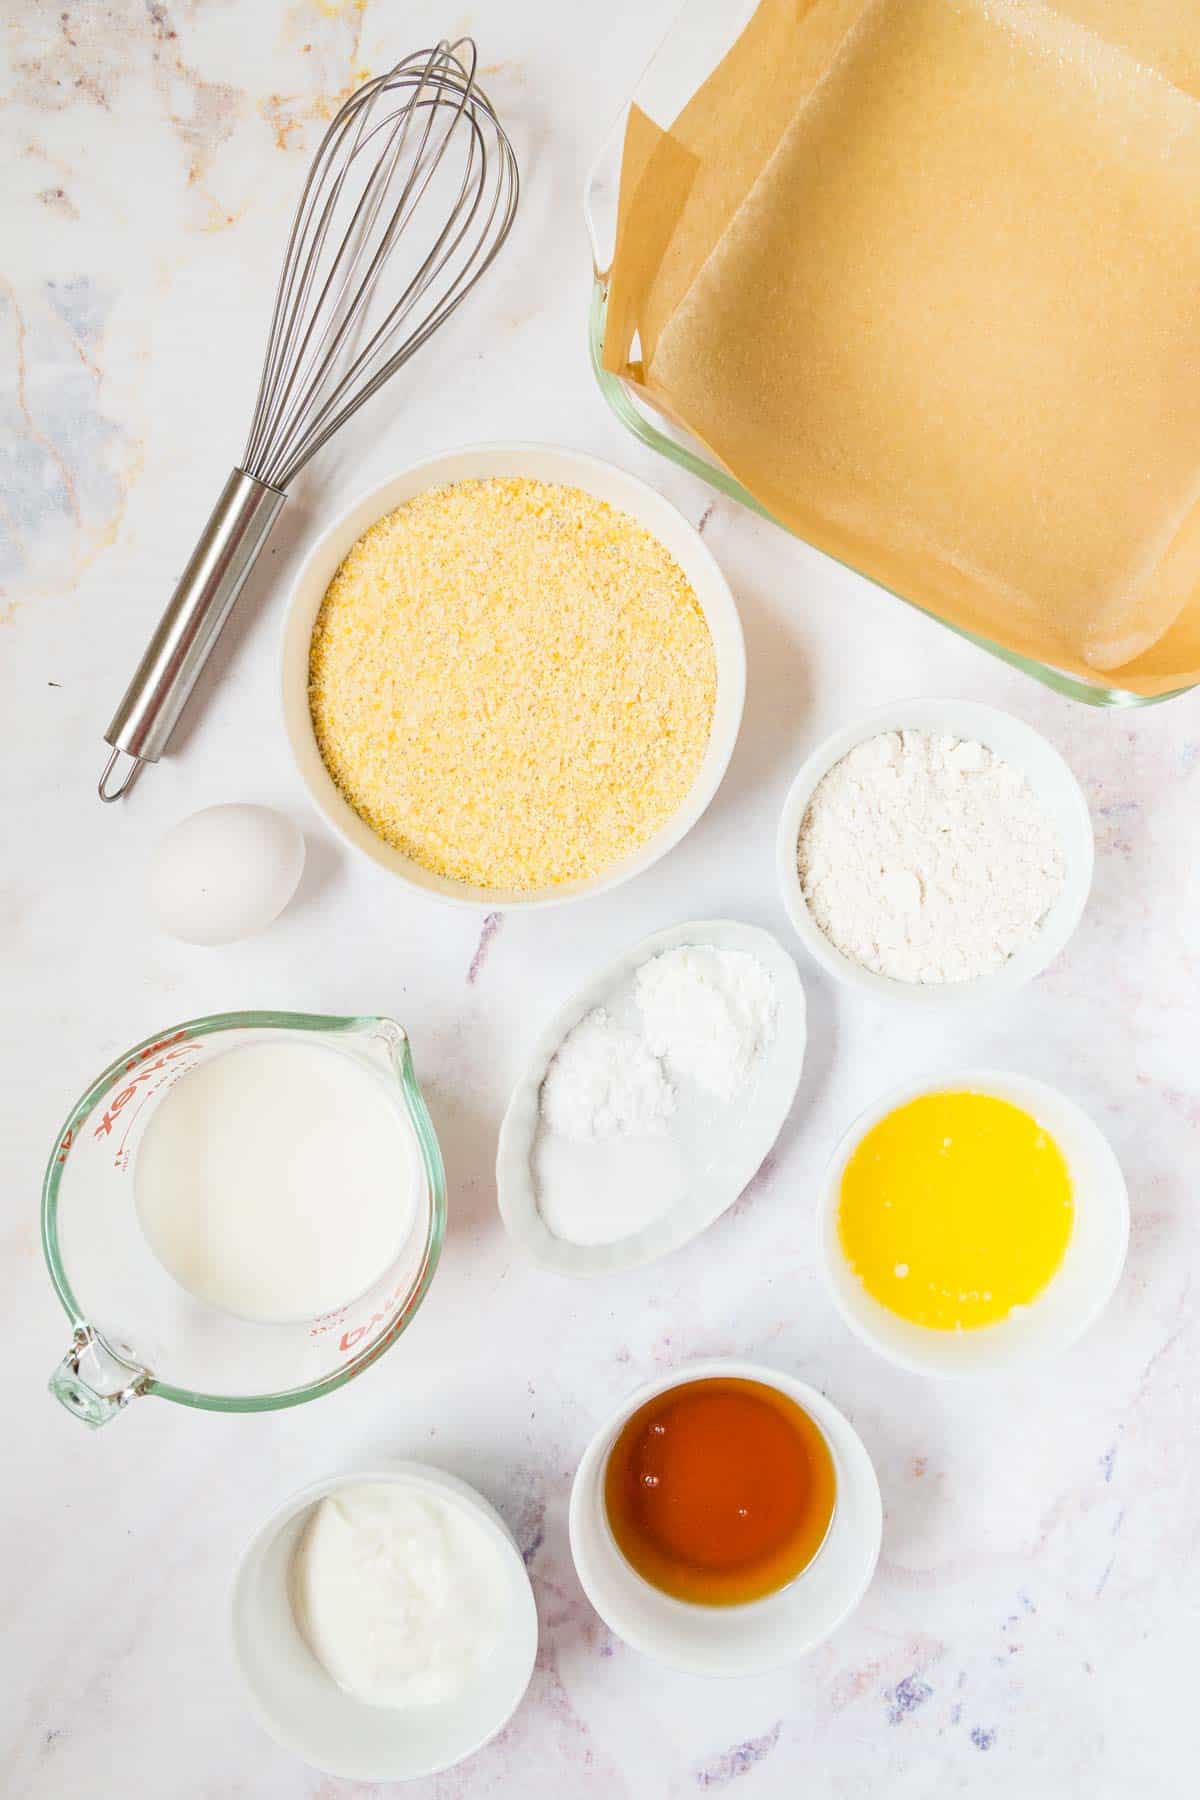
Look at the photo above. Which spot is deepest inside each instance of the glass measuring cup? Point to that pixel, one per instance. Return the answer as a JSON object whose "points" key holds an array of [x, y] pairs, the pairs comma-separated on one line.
{"points": [[136, 1331]]}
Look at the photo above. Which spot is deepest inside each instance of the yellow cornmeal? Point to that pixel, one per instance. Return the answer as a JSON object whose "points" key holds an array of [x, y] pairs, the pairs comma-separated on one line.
{"points": [[954, 1209], [511, 682]]}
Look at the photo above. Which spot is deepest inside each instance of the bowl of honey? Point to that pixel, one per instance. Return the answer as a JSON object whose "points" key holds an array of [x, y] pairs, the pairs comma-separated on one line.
{"points": [[973, 1224], [725, 1519]]}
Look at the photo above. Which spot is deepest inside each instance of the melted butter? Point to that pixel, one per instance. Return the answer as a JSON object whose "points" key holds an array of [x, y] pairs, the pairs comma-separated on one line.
{"points": [[954, 1209]]}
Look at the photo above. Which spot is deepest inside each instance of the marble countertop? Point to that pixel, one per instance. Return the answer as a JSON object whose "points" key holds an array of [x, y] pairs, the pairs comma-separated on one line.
{"points": [[1032, 1627]]}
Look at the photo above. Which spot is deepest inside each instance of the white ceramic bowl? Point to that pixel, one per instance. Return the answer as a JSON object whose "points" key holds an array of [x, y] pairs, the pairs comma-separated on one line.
{"points": [[1052, 782], [541, 462], [304, 1710], [732, 1640], [1075, 1297], [725, 1147]]}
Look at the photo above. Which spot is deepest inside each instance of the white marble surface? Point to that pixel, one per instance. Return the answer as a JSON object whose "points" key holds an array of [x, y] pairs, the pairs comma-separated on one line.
{"points": [[1033, 1626]]}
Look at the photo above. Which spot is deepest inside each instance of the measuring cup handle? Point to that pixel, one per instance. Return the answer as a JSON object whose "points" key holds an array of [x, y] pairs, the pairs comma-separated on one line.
{"points": [[109, 1384]]}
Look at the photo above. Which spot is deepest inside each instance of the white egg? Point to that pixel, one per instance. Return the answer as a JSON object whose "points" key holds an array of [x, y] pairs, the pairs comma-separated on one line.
{"points": [[225, 872]]}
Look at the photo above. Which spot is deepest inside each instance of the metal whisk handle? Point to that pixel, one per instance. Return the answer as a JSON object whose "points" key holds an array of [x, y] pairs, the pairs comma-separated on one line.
{"points": [[185, 635]]}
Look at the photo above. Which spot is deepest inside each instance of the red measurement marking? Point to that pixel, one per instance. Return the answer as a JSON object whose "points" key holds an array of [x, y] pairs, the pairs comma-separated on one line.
{"points": [[153, 1049], [104, 1128], [355, 1336], [170, 1076], [66, 1145]]}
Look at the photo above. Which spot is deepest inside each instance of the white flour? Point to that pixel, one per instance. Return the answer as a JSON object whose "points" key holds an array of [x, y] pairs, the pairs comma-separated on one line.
{"points": [[927, 858]]}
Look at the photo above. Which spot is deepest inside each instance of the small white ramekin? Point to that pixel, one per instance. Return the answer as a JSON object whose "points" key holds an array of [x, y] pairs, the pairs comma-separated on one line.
{"points": [[732, 1640], [540, 462], [1051, 781], [1075, 1297], [306, 1711]]}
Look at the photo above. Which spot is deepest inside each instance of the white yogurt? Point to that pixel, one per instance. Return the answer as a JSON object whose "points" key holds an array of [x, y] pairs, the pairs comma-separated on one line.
{"points": [[399, 1593], [277, 1181]]}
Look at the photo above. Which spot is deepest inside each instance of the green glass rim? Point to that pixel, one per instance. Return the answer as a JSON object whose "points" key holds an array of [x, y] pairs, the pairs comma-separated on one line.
{"points": [[431, 1161], [643, 428]]}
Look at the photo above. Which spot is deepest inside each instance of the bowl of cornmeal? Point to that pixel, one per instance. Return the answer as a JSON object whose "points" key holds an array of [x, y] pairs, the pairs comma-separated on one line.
{"points": [[512, 675]]}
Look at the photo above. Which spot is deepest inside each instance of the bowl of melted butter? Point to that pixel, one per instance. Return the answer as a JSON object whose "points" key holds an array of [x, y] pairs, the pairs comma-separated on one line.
{"points": [[972, 1224]]}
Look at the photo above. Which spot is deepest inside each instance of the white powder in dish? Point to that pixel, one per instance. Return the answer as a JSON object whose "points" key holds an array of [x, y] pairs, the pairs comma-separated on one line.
{"points": [[605, 1082], [708, 1013], [619, 1102], [927, 858], [608, 1189]]}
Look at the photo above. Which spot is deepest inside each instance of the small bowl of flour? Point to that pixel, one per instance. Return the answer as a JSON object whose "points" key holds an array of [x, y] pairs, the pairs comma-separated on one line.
{"points": [[935, 851]]}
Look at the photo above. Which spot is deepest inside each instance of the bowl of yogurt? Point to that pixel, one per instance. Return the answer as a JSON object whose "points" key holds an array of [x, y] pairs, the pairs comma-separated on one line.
{"points": [[383, 1623]]}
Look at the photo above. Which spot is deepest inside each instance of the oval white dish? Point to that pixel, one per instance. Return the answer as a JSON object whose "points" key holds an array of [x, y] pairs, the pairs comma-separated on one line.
{"points": [[304, 1709], [1052, 782], [732, 1640], [1074, 1298], [726, 1147], [541, 462]]}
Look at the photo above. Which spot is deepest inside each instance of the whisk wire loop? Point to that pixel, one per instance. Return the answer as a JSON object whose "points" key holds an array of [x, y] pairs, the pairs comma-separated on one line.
{"points": [[305, 242], [335, 315], [379, 163]]}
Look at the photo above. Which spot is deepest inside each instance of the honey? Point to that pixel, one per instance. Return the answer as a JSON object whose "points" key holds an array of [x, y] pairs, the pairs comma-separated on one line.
{"points": [[720, 1491]]}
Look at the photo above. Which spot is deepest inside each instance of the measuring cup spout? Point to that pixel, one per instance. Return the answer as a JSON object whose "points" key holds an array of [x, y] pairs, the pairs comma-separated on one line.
{"points": [[93, 1382]]}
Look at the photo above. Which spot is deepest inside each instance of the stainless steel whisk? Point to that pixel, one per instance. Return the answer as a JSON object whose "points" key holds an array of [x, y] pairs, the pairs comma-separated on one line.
{"points": [[421, 137]]}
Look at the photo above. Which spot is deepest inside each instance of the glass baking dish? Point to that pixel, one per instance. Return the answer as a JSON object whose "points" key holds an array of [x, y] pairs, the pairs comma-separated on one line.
{"points": [[703, 32]]}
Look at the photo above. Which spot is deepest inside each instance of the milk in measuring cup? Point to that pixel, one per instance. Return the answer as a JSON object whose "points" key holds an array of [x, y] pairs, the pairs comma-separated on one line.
{"points": [[277, 1181]]}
